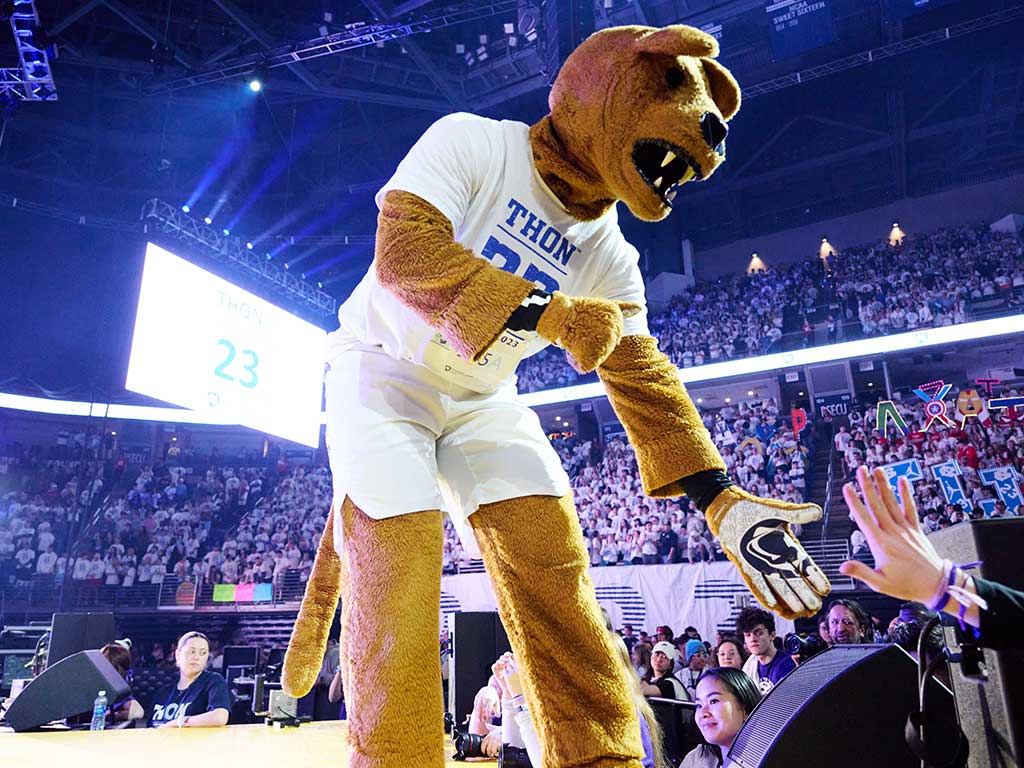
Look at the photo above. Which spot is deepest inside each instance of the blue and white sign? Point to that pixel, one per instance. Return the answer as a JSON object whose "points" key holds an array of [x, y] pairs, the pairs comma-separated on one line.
{"points": [[203, 343], [1006, 483], [799, 25], [947, 475]]}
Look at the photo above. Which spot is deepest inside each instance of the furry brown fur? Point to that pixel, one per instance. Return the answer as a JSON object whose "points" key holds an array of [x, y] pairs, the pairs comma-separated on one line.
{"points": [[629, 102], [579, 702]]}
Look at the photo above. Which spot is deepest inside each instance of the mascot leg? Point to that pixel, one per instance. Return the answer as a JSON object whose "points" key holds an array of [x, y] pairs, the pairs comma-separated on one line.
{"points": [[578, 697], [389, 639]]}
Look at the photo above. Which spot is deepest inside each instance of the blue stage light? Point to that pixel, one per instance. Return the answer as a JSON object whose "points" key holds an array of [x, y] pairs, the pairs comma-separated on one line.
{"points": [[207, 220], [319, 284], [255, 84], [185, 208], [249, 246], [269, 256], [226, 231], [286, 265]]}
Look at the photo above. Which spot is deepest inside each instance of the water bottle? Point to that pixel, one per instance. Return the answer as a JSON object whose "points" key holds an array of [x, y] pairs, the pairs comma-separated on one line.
{"points": [[99, 712]]}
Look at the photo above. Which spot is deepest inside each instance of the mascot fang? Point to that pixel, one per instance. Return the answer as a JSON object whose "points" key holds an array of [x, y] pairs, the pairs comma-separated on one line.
{"points": [[494, 240]]}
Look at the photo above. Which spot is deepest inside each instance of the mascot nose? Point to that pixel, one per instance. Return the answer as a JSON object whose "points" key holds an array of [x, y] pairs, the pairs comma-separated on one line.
{"points": [[714, 129]]}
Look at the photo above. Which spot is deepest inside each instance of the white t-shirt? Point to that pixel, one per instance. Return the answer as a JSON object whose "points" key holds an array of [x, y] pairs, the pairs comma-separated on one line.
{"points": [[480, 174]]}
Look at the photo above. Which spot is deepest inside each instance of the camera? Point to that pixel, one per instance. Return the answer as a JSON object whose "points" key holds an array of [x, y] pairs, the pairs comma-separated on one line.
{"points": [[467, 744], [513, 757], [804, 647]]}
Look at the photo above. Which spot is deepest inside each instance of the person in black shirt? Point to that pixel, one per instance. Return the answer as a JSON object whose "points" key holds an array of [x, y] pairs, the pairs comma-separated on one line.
{"points": [[200, 698], [908, 567]]}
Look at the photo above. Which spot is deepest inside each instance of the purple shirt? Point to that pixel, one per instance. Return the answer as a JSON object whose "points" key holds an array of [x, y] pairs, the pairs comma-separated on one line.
{"points": [[774, 670]]}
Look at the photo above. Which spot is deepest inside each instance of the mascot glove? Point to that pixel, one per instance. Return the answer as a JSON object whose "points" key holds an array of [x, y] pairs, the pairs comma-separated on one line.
{"points": [[588, 328], [756, 536]]}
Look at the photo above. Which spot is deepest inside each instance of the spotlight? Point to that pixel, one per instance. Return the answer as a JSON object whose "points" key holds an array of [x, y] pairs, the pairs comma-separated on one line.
{"points": [[248, 246], [255, 84], [207, 220], [286, 265], [186, 208], [226, 231], [268, 255], [728, 399], [801, 393], [319, 284], [302, 275], [750, 393], [700, 400]]}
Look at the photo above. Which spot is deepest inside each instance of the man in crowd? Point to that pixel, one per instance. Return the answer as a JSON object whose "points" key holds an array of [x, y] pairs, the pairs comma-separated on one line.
{"points": [[766, 665], [696, 656], [848, 623], [664, 683]]}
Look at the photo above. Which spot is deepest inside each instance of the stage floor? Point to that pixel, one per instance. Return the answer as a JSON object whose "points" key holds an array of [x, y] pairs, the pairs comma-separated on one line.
{"points": [[311, 745]]}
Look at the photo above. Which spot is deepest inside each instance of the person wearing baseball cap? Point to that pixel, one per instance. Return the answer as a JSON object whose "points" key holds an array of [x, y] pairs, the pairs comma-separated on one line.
{"points": [[696, 658], [664, 683]]}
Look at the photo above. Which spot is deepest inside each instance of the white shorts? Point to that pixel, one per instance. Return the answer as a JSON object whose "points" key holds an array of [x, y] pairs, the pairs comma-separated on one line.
{"points": [[404, 439]]}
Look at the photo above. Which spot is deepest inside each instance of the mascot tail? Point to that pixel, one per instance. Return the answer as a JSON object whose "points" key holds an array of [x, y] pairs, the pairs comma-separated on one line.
{"points": [[304, 658]]}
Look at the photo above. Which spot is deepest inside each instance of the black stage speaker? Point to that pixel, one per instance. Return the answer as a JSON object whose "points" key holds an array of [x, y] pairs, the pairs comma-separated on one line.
{"points": [[991, 713], [65, 689], [74, 632], [848, 707], [478, 639]]}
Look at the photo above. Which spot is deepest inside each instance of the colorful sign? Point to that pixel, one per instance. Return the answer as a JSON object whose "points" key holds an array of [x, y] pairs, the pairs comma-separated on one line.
{"points": [[947, 475]]}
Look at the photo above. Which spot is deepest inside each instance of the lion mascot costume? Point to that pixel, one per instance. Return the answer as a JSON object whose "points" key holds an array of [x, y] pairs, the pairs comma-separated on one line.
{"points": [[495, 239]]}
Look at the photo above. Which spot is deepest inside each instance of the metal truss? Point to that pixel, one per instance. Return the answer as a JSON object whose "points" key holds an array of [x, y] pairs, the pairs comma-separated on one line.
{"points": [[355, 36], [886, 51], [166, 219], [32, 80]]}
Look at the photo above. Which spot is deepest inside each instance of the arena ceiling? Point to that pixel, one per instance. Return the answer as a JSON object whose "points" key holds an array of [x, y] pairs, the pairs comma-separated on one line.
{"points": [[149, 92]]}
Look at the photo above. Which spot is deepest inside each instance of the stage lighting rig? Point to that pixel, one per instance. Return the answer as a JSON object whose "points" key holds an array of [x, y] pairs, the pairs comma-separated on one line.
{"points": [[169, 221], [32, 79]]}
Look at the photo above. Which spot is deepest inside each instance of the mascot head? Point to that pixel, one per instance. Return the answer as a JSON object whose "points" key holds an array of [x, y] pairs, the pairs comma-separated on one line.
{"points": [[645, 110]]}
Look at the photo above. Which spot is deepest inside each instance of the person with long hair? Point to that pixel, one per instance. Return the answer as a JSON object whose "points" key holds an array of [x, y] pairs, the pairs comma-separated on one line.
{"points": [[642, 661], [725, 698], [730, 653], [200, 697]]}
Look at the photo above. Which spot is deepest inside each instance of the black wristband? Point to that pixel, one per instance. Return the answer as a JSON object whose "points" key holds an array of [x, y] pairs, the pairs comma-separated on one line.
{"points": [[527, 315], [703, 487]]}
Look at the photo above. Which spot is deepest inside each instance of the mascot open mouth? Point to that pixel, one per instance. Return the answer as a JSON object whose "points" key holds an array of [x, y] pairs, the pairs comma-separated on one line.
{"points": [[664, 166]]}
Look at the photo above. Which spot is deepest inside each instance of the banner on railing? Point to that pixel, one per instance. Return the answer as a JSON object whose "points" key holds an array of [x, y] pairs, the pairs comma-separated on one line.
{"points": [[242, 593], [707, 596]]}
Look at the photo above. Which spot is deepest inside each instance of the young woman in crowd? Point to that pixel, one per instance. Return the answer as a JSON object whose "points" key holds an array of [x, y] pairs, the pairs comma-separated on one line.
{"points": [[725, 697], [199, 698], [730, 653]]}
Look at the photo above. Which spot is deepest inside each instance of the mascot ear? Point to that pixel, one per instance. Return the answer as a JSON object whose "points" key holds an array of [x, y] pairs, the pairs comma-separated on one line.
{"points": [[678, 40], [725, 91]]}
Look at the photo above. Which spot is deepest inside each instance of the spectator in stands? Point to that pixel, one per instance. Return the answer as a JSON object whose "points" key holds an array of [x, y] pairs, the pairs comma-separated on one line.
{"points": [[696, 656], [668, 544], [725, 697], [641, 656], [823, 632], [848, 623], [730, 653], [767, 664], [663, 683], [628, 638], [199, 698], [664, 634]]}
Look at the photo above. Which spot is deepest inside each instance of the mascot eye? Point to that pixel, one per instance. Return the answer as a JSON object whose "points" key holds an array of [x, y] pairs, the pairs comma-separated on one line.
{"points": [[674, 78]]}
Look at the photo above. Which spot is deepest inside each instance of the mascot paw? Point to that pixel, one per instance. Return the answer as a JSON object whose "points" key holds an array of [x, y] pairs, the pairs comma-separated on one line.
{"points": [[588, 329], [756, 535]]}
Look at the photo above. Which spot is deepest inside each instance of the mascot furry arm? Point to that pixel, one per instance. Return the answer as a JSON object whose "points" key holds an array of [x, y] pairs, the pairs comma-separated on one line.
{"points": [[630, 101]]}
